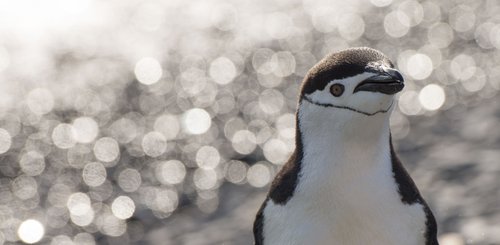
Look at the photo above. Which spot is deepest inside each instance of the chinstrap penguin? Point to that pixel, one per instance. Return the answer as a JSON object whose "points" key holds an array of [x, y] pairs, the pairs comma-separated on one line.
{"points": [[344, 183]]}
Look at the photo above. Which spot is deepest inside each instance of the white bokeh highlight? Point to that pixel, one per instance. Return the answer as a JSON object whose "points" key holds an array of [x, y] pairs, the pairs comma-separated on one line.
{"points": [[123, 207], [196, 121], [85, 129], [432, 97], [31, 231], [5, 140], [106, 149], [148, 70]]}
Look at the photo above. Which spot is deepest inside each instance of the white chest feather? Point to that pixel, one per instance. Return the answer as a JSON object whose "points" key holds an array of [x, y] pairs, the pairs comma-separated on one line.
{"points": [[346, 192]]}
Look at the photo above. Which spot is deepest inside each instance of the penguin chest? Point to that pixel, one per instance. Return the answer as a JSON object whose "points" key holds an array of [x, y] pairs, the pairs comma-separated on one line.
{"points": [[366, 213]]}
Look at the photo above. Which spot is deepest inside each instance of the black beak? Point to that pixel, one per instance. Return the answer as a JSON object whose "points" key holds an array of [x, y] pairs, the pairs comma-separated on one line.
{"points": [[389, 81]]}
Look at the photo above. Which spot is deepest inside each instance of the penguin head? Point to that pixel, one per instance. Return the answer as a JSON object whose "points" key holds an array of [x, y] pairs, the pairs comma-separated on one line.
{"points": [[360, 80]]}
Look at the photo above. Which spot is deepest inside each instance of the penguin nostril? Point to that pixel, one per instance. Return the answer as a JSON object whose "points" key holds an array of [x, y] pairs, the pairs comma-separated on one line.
{"points": [[337, 89]]}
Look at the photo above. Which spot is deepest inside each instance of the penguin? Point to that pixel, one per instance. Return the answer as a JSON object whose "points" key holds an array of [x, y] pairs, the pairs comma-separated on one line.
{"points": [[344, 183]]}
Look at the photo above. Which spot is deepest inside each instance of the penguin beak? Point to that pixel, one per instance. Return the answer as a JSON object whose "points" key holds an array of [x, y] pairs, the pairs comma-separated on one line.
{"points": [[388, 81]]}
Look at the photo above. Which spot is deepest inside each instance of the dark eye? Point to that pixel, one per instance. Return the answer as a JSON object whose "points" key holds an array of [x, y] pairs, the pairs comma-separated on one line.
{"points": [[337, 89]]}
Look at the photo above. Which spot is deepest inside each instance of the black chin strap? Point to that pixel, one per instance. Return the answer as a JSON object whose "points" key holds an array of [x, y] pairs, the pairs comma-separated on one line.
{"points": [[348, 108]]}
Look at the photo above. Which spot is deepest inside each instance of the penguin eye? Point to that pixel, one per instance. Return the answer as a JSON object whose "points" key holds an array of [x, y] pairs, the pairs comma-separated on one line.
{"points": [[337, 89]]}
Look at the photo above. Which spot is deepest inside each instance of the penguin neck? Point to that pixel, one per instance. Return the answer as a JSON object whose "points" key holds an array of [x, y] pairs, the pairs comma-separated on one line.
{"points": [[338, 143]]}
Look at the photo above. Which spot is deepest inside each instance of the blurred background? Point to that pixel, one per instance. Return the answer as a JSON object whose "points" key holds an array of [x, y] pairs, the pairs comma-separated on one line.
{"points": [[163, 122]]}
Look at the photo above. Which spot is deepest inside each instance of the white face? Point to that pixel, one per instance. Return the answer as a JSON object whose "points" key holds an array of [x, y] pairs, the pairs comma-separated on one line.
{"points": [[361, 102]]}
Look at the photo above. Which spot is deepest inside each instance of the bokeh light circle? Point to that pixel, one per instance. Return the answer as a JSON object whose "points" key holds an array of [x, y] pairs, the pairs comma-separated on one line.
{"points": [[283, 63], [351, 26], [112, 226], [205, 179], [85, 129], [5, 140], [154, 144], [244, 142], [381, 3], [83, 219], [40, 101], [168, 125], [432, 97], [463, 67], [276, 151], [106, 149], [208, 157], [259, 175], [170, 172], [236, 172], [129, 180], [79, 203], [94, 174], [84, 238], [440, 35], [396, 24], [124, 130], [24, 187], [31, 231], [32, 163], [222, 70], [123, 207], [419, 66], [408, 103], [64, 136], [462, 18], [271, 101], [148, 70], [196, 121]]}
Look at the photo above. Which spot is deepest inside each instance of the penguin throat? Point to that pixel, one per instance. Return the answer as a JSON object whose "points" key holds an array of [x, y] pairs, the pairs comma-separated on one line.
{"points": [[341, 127], [336, 146], [348, 108]]}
